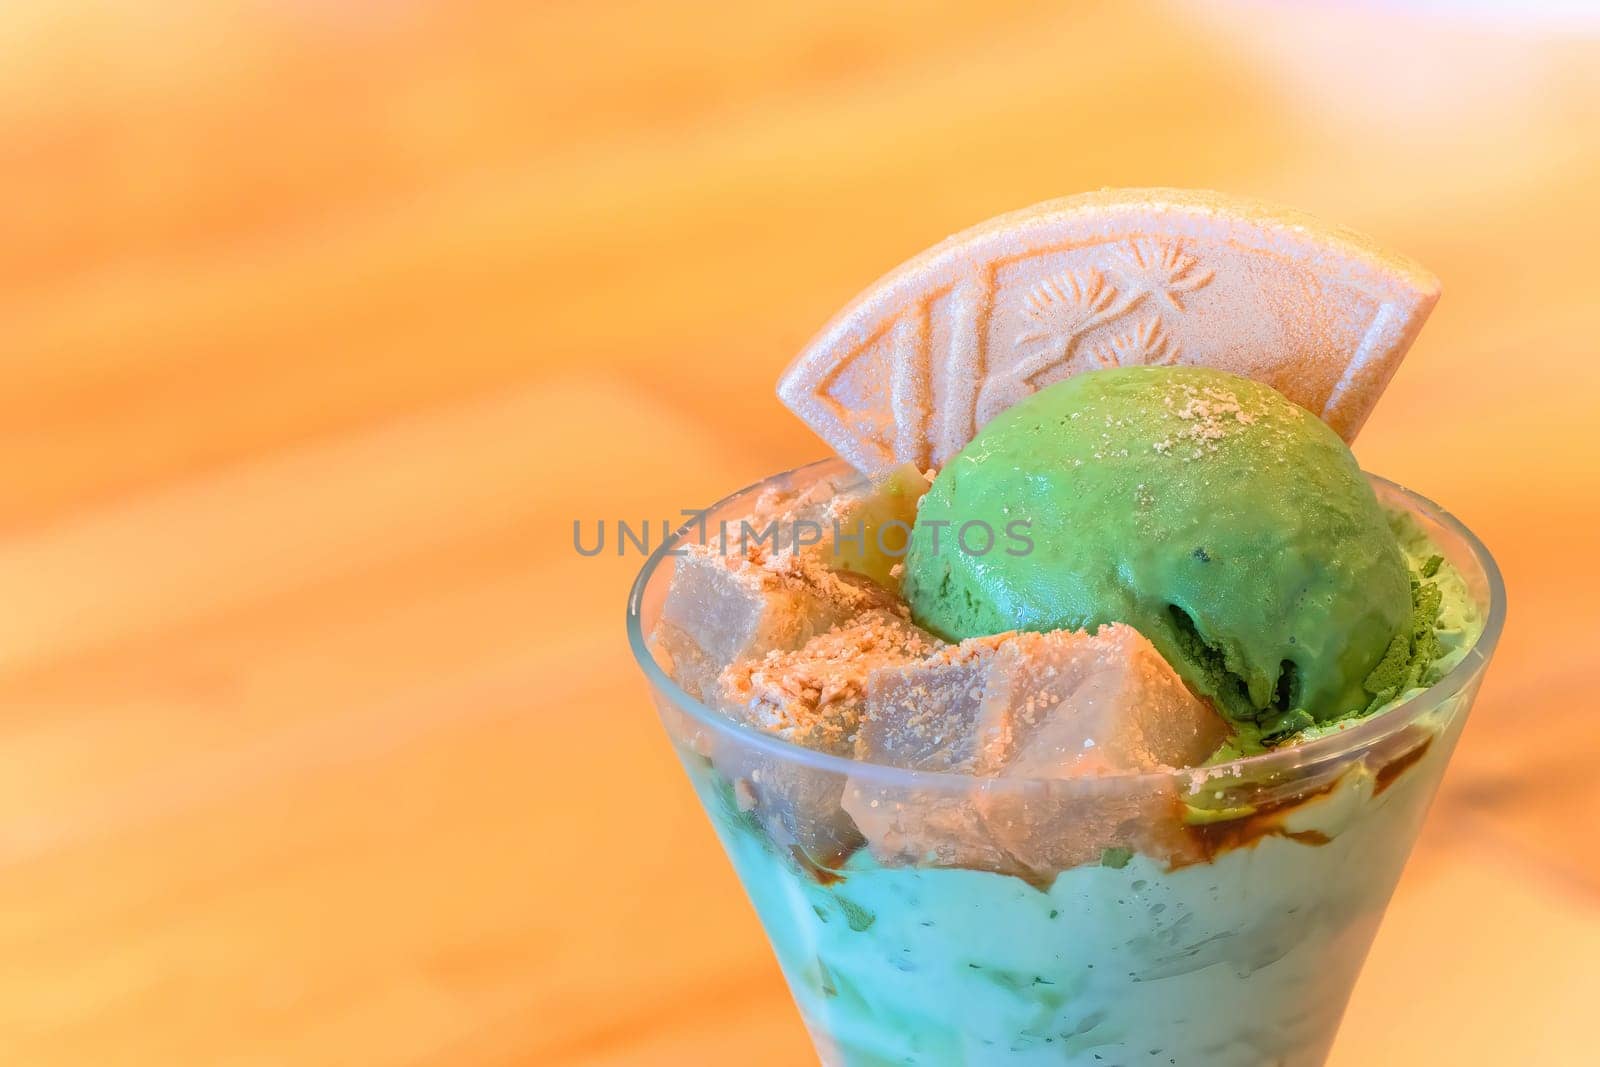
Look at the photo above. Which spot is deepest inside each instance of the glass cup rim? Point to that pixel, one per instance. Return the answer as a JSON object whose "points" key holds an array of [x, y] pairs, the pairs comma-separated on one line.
{"points": [[1336, 745]]}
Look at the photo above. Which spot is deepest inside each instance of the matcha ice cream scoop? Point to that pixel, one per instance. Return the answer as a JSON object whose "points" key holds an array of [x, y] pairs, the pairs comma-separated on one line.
{"points": [[1228, 525]]}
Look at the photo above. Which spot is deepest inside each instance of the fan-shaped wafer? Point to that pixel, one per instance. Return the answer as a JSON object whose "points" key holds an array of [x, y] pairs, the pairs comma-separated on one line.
{"points": [[914, 366]]}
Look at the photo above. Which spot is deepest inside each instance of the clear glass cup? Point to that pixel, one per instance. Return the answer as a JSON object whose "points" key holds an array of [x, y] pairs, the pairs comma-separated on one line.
{"points": [[1015, 921]]}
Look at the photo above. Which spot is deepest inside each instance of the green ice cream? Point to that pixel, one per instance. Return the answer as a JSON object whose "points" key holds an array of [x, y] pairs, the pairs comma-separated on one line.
{"points": [[1229, 526]]}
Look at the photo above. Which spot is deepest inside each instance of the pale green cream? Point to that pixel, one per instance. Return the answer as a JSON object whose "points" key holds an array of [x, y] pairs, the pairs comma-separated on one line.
{"points": [[1247, 959]]}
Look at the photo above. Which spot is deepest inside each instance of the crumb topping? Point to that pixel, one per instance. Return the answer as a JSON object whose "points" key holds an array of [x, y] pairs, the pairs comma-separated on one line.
{"points": [[814, 695], [1208, 415]]}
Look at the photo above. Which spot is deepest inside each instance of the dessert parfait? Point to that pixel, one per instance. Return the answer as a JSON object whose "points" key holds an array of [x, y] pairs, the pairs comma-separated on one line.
{"points": [[1086, 709]]}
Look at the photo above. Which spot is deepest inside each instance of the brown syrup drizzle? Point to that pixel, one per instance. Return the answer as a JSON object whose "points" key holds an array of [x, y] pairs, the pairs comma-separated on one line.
{"points": [[823, 871], [1208, 840], [1394, 768]]}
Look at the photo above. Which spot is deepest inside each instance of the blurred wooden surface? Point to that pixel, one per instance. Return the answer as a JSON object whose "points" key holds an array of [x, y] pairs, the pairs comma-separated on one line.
{"points": [[321, 322]]}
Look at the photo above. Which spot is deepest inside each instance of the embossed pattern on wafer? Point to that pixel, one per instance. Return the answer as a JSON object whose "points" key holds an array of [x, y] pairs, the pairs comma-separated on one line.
{"points": [[919, 362]]}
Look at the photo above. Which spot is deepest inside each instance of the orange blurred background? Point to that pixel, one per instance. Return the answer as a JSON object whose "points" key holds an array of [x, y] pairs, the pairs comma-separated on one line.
{"points": [[320, 323]]}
